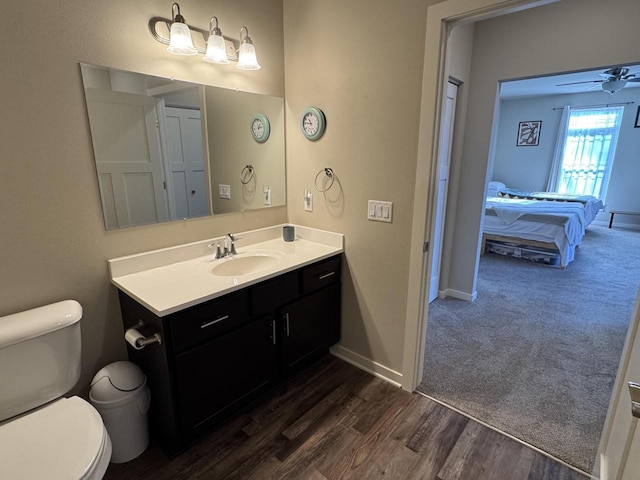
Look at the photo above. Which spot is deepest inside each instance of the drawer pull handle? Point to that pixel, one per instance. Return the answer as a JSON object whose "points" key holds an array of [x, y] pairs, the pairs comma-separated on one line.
{"points": [[273, 332], [213, 322], [326, 275], [286, 317]]}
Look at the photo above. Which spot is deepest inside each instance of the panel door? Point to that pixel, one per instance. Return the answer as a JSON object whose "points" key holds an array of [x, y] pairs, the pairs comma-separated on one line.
{"points": [[444, 160], [310, 326], [187, 173], [220, 376], [128, 158]]}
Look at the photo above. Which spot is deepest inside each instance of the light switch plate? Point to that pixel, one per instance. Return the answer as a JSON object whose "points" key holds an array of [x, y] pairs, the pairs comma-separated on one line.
{"points": [[224, 191], [380, 211]]}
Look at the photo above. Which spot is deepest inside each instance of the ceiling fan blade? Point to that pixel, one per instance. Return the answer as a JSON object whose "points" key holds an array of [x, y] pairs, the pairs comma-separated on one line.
{"points": [[578, 83], [635, 79]]}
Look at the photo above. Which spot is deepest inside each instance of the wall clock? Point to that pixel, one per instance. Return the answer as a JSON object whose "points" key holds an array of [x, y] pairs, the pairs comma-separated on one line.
{"points": [[260, 127], [312, 123]]}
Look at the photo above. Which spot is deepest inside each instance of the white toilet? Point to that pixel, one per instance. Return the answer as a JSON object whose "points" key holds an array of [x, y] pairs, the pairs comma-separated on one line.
{"points": [[42, 434]]}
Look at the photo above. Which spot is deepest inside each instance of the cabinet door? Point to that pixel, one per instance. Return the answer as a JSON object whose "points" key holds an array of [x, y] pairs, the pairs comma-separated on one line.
{"points": [[309, 327], [224, 374]]}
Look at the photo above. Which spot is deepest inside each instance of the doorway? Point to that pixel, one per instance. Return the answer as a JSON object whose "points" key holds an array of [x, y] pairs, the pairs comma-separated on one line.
{"points": [[435, 72]]}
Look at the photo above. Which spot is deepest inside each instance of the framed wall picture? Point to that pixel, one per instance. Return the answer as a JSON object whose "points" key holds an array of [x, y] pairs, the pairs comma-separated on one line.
{"points": [[637, 124], [529, 133]]}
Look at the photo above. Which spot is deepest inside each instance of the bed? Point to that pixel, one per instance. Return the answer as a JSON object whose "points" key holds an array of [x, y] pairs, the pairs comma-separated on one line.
{"points": [[544, 226]]}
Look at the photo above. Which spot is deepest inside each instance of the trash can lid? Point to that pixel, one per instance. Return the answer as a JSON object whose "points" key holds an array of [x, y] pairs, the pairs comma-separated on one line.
{"points": [[122, 376]]}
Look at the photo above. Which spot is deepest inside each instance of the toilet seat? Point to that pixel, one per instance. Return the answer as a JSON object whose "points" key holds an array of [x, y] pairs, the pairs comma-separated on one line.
{"points": [[64, 440]]}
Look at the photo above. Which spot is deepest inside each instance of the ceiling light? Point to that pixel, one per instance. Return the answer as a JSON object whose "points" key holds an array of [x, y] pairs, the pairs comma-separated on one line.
{"points": [[247, 54], [180, 43], [612, 86], [216, 47]]}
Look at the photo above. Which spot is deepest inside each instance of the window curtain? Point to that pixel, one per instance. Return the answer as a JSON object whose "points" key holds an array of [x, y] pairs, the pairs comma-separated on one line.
{"points": [[558, 153]]}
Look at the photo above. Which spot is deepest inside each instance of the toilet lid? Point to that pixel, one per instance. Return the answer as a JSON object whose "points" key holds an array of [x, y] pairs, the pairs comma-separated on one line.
{"points": [[59, 441]]}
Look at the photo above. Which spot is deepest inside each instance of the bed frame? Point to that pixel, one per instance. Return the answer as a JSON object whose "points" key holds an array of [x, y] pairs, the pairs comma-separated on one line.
{"points": [[520, 242]]}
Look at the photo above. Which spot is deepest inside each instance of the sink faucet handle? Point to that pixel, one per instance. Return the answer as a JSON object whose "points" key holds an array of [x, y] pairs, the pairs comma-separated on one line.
{"points": [[232, 245], [218, 251]]}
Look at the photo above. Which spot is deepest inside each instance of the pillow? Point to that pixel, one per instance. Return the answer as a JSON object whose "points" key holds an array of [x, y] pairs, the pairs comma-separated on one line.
{"points": [[494, 188], [496, 185]]}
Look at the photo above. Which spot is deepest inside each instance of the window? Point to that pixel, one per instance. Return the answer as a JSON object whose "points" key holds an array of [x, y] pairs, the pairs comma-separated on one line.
{"points": [[589, 148]]}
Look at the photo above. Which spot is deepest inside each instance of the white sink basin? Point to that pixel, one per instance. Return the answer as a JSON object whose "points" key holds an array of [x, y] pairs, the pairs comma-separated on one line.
{"points": [[244, 264]]}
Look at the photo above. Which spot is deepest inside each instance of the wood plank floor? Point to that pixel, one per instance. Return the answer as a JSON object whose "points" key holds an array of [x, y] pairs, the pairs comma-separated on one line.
{"points": [[335, 421]]}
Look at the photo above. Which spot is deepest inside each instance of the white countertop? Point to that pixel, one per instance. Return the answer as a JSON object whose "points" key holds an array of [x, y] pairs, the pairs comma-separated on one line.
{"points": [[172, 279]]}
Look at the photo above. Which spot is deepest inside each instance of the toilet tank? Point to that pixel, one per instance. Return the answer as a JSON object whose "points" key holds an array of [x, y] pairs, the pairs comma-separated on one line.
{"points": [[39, 356]]}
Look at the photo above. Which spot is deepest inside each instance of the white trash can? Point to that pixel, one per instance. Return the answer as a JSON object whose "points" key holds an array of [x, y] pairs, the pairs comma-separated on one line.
{"points": [[119, 392]]}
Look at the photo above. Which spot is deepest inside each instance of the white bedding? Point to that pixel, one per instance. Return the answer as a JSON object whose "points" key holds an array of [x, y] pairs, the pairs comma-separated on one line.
{"points": [[532, 230], [568, 216], [592, 205]]}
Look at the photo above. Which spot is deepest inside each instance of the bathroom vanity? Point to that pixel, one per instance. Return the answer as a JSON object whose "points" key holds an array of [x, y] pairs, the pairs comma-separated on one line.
{"points": [[226, 337]]}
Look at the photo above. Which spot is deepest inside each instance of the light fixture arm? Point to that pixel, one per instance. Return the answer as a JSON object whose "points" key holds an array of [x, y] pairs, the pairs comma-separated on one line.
{"points": [[214, 30], [175, 13], [245, 38]]}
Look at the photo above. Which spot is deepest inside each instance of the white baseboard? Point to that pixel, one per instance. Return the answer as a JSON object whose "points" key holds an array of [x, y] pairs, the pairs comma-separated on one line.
{"points": [[469, 297], [374, 368]]}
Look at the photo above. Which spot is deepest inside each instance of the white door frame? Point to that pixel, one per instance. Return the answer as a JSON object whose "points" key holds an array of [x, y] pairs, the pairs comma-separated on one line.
{"points": [[440, 19]]}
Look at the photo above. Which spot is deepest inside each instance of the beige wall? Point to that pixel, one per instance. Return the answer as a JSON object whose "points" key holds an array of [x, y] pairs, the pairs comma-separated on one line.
{"points": [[554, 38], [53, 242], [361, 63], [231, 149]]}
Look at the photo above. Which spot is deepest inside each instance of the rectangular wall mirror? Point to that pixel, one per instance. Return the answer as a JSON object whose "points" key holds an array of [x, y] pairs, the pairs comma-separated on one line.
{"points": [[170, 150]]}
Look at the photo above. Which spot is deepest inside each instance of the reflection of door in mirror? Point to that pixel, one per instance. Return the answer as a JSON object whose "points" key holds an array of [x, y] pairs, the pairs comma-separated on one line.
{"points": [[128, 157], [186, 180]]}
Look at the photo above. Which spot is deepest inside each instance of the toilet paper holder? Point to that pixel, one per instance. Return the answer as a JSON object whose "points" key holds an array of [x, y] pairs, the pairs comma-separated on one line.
{"points": [[141, 341]]}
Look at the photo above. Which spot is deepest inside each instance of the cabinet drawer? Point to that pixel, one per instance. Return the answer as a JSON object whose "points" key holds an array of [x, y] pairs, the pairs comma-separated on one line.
{"points": [[321, 274], [209, 320], [274, 293]]}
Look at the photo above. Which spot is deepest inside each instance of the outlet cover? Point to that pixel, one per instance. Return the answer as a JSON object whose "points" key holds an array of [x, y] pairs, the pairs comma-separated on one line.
{"points": [[308, 202]]}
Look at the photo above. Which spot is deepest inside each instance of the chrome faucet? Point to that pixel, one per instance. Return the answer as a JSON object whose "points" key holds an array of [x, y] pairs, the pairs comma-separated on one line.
{"points": [[228, 248]]}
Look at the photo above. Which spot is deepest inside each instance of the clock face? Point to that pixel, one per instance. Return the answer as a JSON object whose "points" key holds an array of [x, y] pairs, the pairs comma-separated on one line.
{"points": [[312, 123], [260, 128]]}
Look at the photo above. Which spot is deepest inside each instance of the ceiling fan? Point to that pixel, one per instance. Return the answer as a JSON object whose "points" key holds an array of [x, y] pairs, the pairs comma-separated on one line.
{"points": [[615, 79]]}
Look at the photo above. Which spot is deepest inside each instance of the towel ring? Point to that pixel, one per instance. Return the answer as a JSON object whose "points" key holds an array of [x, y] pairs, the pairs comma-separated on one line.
{"points": [[246, 174], [329, 173]]}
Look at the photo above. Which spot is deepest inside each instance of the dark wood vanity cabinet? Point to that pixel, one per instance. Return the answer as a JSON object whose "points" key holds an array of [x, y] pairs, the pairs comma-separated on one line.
{"points": [[221, 356]]}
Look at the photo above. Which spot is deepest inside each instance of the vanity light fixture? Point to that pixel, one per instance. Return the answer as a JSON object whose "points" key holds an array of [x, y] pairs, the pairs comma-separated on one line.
{"points": [[216, 48], [247, 54], [180, 42]]}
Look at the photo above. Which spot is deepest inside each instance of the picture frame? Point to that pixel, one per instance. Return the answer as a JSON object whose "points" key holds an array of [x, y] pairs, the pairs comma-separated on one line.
{"points": [[529, 133], [637, 123]]}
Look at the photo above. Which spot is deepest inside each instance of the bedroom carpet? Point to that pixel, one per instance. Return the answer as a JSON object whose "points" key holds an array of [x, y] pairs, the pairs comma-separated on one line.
{"points": [[536, 354]]}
